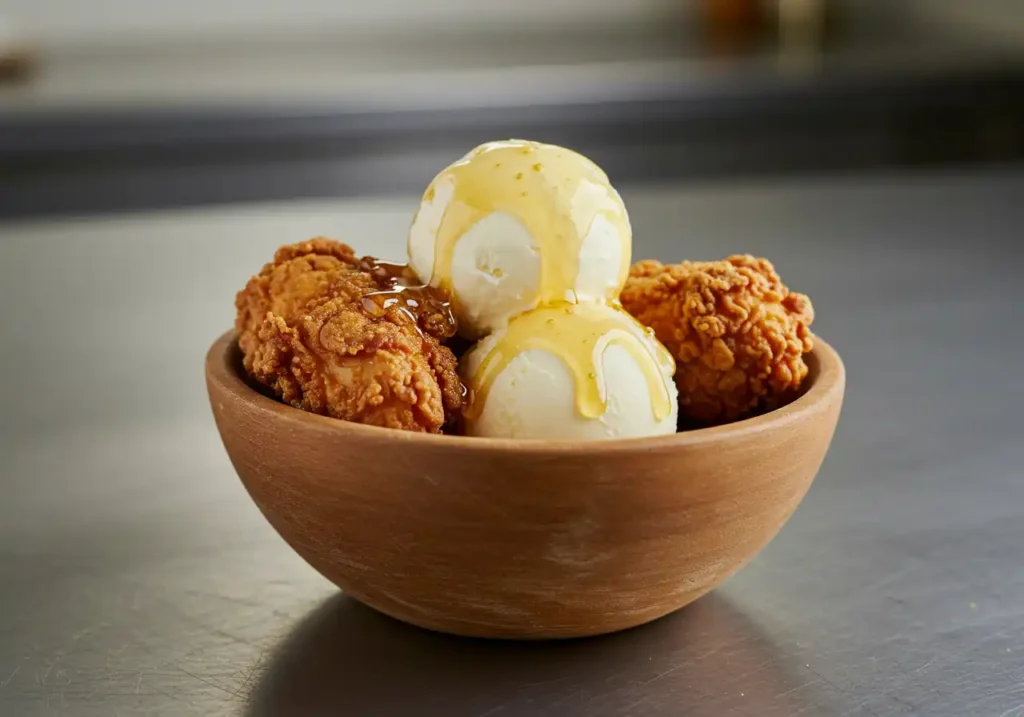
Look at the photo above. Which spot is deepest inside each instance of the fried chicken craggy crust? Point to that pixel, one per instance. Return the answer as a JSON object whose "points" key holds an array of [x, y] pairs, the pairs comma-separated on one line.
{"points": [[737, 333], [308, 330]]}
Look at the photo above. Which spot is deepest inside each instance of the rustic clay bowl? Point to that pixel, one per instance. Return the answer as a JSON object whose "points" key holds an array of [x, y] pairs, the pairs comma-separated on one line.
{"points": [[523, 539]]}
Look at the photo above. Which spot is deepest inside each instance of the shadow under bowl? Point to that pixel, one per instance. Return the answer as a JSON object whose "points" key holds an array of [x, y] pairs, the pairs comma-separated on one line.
{"points": [[523, 539]]}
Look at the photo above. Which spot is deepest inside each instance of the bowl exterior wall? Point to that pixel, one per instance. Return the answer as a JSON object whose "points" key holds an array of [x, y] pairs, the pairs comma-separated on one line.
{"points": [[519, 542]]}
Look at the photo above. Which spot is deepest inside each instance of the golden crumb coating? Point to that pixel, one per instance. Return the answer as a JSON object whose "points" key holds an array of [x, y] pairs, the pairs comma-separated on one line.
{"points": [[737, 333], [316, 326]]}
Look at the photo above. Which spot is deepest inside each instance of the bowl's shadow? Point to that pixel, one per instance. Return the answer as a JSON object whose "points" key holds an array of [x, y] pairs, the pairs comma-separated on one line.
{"points": [[345, 659]]}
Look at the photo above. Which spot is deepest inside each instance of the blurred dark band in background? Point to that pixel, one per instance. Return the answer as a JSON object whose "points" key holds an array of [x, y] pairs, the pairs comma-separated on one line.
{"points": [[731, 88]]}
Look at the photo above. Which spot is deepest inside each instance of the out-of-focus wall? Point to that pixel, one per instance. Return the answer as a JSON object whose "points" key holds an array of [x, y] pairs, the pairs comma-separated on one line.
{"points": [[998, 19], [102, 20], [90, 21]]}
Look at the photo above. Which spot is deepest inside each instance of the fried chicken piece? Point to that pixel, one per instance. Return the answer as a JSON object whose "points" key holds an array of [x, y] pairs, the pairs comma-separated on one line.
{"points": [[333, 334], [737, 333]]}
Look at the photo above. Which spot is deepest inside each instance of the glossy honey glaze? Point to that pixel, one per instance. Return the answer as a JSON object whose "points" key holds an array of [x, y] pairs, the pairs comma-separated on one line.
{"points": [[579, 335], [404, 291]]}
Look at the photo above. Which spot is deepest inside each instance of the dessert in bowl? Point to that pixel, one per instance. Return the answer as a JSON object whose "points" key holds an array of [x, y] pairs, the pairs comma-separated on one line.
{"points": [[600, 447]]}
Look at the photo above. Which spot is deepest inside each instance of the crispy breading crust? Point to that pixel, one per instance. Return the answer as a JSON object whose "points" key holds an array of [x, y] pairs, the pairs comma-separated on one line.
{"points": [[737, 333], [305, 332]]}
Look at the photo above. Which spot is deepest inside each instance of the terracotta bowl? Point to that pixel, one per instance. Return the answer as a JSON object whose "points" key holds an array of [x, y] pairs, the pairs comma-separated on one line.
{"points": [[523, 539]]}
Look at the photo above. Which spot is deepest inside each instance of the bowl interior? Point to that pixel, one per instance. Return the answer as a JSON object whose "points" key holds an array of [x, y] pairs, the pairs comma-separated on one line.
{"points": [[826, 377]]}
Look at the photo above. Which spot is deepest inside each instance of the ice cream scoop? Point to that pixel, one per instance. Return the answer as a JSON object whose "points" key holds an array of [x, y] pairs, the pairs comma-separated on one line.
{"points": [[515, 225], [586, 371]]}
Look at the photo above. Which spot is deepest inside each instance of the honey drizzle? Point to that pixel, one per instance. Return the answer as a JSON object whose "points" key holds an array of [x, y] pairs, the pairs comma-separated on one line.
{"points": [[536, 184], [574, 334], [404, 291]]}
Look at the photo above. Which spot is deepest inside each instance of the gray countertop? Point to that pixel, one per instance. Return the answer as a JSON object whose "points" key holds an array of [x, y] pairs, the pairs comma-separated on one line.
{"points": [[139, 579]]}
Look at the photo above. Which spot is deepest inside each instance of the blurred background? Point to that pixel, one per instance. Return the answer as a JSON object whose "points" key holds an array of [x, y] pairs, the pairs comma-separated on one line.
{"points": [[115, 105]]}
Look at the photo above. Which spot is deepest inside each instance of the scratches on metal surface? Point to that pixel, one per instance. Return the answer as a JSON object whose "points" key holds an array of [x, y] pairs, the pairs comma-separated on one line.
{"points": [[497, 709], [10, 677], [221, 688], [250, 674], [801, 686]]}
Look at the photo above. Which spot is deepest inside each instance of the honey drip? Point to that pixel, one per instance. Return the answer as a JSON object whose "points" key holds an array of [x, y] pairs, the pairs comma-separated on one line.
{"points": [[404, 291], [537, 185], [578, 335]]}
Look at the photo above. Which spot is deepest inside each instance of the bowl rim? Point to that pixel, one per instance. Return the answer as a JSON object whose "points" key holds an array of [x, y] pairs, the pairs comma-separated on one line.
{"points": [[221, 369]]}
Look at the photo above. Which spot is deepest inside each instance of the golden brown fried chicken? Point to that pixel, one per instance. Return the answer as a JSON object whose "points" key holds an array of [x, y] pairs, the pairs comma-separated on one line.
{"points": [[336, 335], [737, 333]]}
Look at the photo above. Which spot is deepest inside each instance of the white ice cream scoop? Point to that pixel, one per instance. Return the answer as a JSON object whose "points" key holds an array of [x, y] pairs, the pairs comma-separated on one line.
{"points": [[516, 225], [584, 372]]}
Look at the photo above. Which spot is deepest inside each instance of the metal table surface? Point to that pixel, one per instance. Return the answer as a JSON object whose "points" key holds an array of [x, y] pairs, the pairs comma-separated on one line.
{"points": [[139, 579]]}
